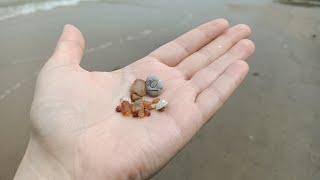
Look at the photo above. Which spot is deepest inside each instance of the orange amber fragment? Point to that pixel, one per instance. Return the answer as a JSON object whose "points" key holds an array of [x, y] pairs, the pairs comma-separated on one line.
{"points": [[119, 108], [147, 112], [155, 100], [136, 107], [147, 105], [126, 108], [141, 114], [135, 114]]}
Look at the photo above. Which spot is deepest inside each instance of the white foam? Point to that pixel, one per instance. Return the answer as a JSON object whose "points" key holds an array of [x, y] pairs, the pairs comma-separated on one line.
{"points": [[24, 61], [2, 96], [131, 38], [10, 90], [141, 35], [33, 7], [146, 32], [101, 46]]}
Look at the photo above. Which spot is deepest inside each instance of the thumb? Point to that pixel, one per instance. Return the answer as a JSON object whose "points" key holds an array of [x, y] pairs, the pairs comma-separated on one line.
{"points": [[70, 46]]}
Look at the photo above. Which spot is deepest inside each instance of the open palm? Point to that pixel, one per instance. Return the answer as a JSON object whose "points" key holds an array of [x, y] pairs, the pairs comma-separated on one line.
{"points": [[73, 114]]}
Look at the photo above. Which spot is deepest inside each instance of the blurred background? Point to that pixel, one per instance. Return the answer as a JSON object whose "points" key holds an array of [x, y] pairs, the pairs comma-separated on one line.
{"points": [[269, 129]]}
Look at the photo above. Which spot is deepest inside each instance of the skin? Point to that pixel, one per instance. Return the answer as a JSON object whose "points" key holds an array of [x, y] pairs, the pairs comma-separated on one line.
{"points": [[76, 132]]}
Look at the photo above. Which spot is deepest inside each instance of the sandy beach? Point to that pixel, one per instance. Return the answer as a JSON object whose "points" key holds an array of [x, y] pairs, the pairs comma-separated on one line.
{"points": [[269, 129]]}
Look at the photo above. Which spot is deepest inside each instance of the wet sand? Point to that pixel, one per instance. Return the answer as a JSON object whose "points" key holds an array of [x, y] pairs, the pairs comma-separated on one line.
{"points": [[269, 129]]}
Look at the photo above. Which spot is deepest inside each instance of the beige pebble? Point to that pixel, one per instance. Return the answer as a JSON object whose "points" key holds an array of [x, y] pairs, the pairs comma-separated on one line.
{"points": [[139, 87], [135, 97]]}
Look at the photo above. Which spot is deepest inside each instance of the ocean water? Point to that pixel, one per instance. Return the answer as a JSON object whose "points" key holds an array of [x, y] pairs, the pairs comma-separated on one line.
{"points": [[14, 8]]}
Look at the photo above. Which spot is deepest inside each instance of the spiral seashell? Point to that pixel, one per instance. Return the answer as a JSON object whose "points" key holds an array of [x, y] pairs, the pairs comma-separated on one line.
{"points": [[154, 86], [125, 98], [161, 104]]}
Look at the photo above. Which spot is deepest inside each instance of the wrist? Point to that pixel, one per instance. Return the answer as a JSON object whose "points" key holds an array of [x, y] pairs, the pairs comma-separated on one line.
{"points": [[37, 163]]}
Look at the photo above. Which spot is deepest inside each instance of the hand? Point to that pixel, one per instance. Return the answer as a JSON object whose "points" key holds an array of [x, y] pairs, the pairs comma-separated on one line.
{"points": [[76, 133]]}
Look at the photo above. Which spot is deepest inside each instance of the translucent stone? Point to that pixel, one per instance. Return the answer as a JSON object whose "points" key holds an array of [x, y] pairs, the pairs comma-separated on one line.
{"points": [[136, 107], [141, 114], [119, 108], [126, 108], [147, 105], [155, 100]]}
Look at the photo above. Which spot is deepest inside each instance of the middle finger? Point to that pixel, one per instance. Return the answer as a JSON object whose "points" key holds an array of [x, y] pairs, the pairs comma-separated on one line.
{"points": [[213, 50]]}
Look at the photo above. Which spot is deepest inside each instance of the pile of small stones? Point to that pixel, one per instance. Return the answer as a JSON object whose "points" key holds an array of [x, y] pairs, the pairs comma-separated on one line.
{"points": [[138, 107]]}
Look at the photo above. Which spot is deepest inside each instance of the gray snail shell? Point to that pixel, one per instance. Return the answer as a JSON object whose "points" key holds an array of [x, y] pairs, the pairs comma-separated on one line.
{"points": [[154, 86]]}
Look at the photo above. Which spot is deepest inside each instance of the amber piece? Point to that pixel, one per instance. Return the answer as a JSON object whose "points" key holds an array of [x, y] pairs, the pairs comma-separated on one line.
{"points": [[135, 114], [119, 108], [147, 105], [134, 97], [136, 107], [147, 112], [141, 114], [162, 109], [153, 106], [139, 87], [155, 100], [126, 108]]}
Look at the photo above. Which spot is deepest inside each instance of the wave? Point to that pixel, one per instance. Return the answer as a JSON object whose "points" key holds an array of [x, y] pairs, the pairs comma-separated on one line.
{"points": [[32, 7]]}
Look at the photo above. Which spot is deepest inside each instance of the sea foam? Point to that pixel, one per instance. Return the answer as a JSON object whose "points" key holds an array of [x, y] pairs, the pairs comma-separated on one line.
{"points": [[32, 7]]}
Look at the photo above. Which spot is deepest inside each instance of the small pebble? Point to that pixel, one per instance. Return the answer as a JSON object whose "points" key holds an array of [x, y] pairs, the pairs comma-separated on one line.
{"points": [[147, 112], [141, 114], [135, 114], [126, 108], [147, 105], [139, 87], [154, 86], [135, 97], [255, 74], [155, 100], [119, 109], [136, 107], [153, 106]]}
